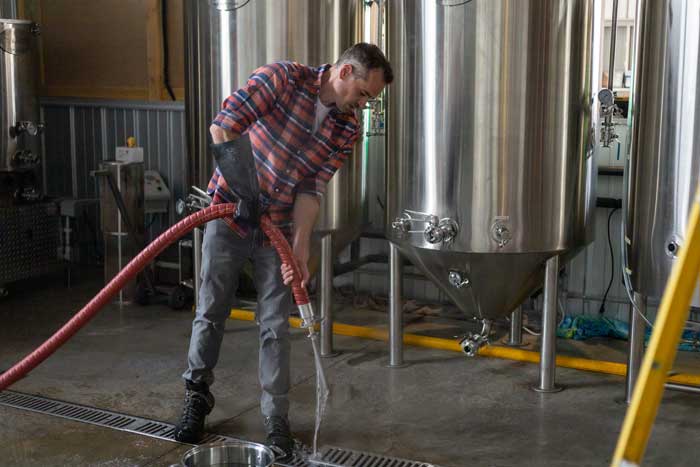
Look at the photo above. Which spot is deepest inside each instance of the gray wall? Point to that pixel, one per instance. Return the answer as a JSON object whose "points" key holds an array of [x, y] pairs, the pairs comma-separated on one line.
{"points": [[81, 133]]}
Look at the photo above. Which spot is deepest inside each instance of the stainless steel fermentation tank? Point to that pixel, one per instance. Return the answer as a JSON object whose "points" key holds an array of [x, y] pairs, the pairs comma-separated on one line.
{"points": [[227, 40], [665, 150], [20, 144], [490, 142], [29, 229]]}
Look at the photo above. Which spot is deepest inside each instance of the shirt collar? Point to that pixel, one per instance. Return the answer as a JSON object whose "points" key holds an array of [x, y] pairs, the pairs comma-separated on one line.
{"points": [[319, 75]]}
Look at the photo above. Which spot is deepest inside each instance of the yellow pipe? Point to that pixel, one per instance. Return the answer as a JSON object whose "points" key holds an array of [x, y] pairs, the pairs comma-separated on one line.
{"points": [[663, 346], [507, 353]]}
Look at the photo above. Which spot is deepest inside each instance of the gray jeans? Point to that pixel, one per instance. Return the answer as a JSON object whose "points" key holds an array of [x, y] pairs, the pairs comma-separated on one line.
{"points": [[223, 256]]}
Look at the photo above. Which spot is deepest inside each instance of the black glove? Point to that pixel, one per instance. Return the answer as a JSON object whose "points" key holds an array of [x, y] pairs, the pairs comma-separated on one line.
{"points": [[236, 164]]}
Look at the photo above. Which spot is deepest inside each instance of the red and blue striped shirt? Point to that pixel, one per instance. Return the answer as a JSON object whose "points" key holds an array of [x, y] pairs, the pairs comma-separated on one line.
{"points": [[277, 108]]}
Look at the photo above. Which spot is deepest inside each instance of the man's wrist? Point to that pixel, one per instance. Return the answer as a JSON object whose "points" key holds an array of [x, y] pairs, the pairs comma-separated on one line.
{"points": [[301, 243]]}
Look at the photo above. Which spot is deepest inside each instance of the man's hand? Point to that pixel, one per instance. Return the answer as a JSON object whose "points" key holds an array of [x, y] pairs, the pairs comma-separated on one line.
{"points": [[301, 254], [220, 135]]}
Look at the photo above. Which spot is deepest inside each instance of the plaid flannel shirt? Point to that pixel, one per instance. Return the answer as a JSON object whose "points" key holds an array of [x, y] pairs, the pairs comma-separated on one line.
{"points": [[276, 108]]}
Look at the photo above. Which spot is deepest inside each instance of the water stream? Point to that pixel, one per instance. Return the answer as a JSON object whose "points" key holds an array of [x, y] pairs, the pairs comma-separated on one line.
{"points": [[322, 392]]}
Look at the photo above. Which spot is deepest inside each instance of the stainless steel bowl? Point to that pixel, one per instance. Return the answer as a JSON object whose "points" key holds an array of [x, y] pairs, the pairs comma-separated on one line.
{"points": [[228, 454]]}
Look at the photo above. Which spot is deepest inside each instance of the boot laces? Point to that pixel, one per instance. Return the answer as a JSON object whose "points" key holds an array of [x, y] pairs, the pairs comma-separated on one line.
{"points": [[195, 407], [278, 426]]}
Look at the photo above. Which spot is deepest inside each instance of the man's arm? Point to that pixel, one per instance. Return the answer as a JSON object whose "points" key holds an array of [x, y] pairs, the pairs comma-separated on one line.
{"points": [[306, 207], [250, 103]]}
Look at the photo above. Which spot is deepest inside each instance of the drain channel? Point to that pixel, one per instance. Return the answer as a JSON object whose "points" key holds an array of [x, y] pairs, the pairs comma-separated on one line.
{"points": [[100, 417], [329, 456]]}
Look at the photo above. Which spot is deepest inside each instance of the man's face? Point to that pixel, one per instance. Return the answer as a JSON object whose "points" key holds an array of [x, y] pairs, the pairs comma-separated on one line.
{"points": [[354, 92]]}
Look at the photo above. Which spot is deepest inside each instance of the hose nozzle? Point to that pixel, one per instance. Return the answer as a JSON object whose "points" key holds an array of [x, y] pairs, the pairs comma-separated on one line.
{"points": [[307, 317]]}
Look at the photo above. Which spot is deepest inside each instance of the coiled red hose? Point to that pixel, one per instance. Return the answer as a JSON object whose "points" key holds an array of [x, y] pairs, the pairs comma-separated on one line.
{"points": [[156, 247]]}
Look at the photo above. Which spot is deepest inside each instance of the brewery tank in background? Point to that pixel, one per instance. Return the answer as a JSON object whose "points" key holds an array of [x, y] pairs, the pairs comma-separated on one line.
{"points": [[29, 224], [665, 147], [20, 140], [490, 137], [226, 40]]}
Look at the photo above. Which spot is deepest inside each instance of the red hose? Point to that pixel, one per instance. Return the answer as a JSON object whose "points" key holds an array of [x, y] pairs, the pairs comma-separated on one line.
{"points": [[42, 352], [301, 296]]}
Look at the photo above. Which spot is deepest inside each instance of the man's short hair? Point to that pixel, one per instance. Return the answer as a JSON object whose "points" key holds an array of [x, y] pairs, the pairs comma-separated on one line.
{"points": [[364, 57]]}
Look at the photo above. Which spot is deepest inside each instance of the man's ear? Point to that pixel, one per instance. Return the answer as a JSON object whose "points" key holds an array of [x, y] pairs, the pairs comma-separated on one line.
{"points": [[345, 70]]}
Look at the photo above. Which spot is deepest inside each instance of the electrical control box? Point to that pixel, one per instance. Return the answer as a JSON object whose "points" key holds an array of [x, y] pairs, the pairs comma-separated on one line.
{"points": [[129, 154], [156, 193]]}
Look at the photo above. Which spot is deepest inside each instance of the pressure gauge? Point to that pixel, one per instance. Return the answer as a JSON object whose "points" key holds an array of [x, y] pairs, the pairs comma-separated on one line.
{"points": [[606, 97]]}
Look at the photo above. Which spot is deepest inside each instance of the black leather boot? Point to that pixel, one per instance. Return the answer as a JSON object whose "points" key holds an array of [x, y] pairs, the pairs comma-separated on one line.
{"points": [[279, 437], [198, 404]]}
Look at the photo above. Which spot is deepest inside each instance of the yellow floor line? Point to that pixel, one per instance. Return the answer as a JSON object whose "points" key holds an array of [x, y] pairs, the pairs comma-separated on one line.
{"points": [[507, 353]]}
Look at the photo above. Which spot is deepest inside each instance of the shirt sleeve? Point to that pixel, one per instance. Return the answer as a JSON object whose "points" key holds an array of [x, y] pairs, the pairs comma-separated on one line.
{"points": [[316, 184], [254, 100]]}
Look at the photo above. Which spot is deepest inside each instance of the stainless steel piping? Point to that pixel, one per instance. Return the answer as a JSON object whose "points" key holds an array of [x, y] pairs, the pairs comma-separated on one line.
{"points": [[613, 32], [326, 289], [607, 98], [549, 329], [395, 308], [682, 388], [636, 344], [515, 338]]}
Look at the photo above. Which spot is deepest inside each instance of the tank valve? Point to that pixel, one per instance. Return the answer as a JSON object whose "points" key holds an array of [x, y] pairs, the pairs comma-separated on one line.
{"points": [[434, 229], [458, 280], [440, 231], [472, 342], [401, 224], [501, 234], [30, 128]]}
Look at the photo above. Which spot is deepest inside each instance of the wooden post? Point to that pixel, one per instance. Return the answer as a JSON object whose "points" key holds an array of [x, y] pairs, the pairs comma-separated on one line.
{"points": [[154, 49]]}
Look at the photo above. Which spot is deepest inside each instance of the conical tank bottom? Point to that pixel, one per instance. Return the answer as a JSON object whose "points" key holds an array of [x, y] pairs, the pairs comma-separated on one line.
{"points": [[341, 239], [483, 285]]}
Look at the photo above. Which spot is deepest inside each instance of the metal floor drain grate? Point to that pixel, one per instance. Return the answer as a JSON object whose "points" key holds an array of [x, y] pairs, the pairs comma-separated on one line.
{"points": [[330, 456], [340, 457], [85, 414]]}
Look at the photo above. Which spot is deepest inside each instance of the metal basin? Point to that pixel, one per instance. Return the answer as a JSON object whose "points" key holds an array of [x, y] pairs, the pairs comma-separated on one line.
{"points": [[228, 454]]}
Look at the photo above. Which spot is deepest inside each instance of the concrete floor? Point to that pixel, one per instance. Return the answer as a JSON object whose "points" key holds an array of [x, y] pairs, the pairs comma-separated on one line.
{"points": [[443, 408]]}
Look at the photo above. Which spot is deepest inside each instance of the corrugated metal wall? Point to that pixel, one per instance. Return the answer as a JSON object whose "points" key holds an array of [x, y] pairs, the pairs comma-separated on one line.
{"points": [[81, 133], [8, 9], [588, 274]]}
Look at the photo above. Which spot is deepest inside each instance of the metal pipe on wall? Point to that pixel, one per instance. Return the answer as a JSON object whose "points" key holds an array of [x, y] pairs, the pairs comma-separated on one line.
{"points": [[549, 329], [635, 352], [395, 308], [613, 32]]}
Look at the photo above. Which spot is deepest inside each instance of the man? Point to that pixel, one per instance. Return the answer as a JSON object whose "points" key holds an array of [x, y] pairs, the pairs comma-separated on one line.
{"points": [[302, 126]]}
